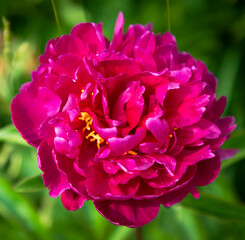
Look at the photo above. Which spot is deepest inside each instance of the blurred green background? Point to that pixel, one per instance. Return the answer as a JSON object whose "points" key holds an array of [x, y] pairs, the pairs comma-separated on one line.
{"points": [[212, 31]]}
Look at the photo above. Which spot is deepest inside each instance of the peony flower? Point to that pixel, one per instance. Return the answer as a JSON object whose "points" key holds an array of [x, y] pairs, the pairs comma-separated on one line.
{"points": [[130, 124]]}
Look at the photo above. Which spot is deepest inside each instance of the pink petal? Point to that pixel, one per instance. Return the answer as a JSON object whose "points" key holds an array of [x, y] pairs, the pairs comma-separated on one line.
{"points": [[100, 185], [66, 64], [207, 171], [118, 32], [134, 107], [53, 177], [172, 198], [226, 153], [182, 76], [71, 201], [29, 110], [76, 181], [130, 213], [91, 35], [123, 145], [167, 161], [226, 125], [70, 44], [190, 157]]}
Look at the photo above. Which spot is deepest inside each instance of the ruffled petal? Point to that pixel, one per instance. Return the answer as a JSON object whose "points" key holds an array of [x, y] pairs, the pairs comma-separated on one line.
{"points": [[53, 177], [71, 200]]}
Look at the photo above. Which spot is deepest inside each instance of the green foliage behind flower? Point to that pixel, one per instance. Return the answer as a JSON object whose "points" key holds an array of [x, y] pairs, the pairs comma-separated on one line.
{"points": [[212, 31]]}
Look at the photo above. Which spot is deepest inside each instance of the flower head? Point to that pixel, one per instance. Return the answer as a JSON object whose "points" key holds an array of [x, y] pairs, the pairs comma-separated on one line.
{"points": [[129, 124]]}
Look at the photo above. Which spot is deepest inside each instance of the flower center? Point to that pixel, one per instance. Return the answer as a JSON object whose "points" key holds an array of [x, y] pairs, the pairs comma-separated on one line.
{"points": [[92, 135]]}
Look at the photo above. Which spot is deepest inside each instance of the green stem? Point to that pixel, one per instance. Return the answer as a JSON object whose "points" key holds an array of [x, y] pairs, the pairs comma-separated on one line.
{"points": [[168, 13], [139, 235], [56, 17]]}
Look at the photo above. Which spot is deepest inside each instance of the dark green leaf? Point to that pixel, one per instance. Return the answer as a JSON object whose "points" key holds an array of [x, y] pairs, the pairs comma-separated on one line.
{"points": [[210, 205], [30, 184]]}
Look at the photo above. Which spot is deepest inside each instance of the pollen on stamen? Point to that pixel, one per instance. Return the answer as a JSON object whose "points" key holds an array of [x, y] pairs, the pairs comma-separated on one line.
{"points": [[131, 152], [92, 136], [170, 135]]}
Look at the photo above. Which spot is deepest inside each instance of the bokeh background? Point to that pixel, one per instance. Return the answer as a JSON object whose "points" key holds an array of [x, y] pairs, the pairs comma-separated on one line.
{"points": [[212, 31]]}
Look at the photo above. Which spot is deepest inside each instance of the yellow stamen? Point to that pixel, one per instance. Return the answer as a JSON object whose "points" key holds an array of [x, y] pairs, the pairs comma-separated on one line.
{"points": [[92, 136], [87, 119], [170, 135], [131, 152], [175, 128]]}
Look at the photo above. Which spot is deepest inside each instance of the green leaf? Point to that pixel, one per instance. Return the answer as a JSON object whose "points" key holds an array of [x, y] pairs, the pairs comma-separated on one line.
{"points": [[238, 157], [17, 210], [228, 73], [10, 134], [121, 233], [210, 205], [30, 184]]}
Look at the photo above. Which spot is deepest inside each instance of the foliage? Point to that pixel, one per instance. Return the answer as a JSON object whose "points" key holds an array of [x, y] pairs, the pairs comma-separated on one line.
{"points": [[212, 31]]}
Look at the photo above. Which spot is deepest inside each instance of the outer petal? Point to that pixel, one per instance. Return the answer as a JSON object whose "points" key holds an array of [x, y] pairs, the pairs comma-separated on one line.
{"points": [[29, 110], [118, 32], [91, 35], [53, 177], [71, 201], [207, 171], [131, 213]]}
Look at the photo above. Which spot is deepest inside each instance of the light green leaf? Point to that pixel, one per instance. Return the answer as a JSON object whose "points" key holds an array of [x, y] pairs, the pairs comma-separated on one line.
{"points": [[121, 233], [210, 205], [10, 134], [30, 184], [15, 208]]}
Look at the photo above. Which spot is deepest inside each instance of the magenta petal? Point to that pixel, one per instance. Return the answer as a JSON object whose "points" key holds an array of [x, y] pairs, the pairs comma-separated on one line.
{"points": [[118, 32], [123, 145], [134, 107], [67, 65], [30, 110], [71, 201], [91, 35], [207, 171], [167, 161], [183, 75], [60, 145], [172, 198], [120, 186], [190, 157], [226, 125], [159, 129], [25, 120], [70, 44], [53, 177], [130, 213], [49, 100], [110, 167], [76, 181], [136, 163], [74, 138], [226, 153]]}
